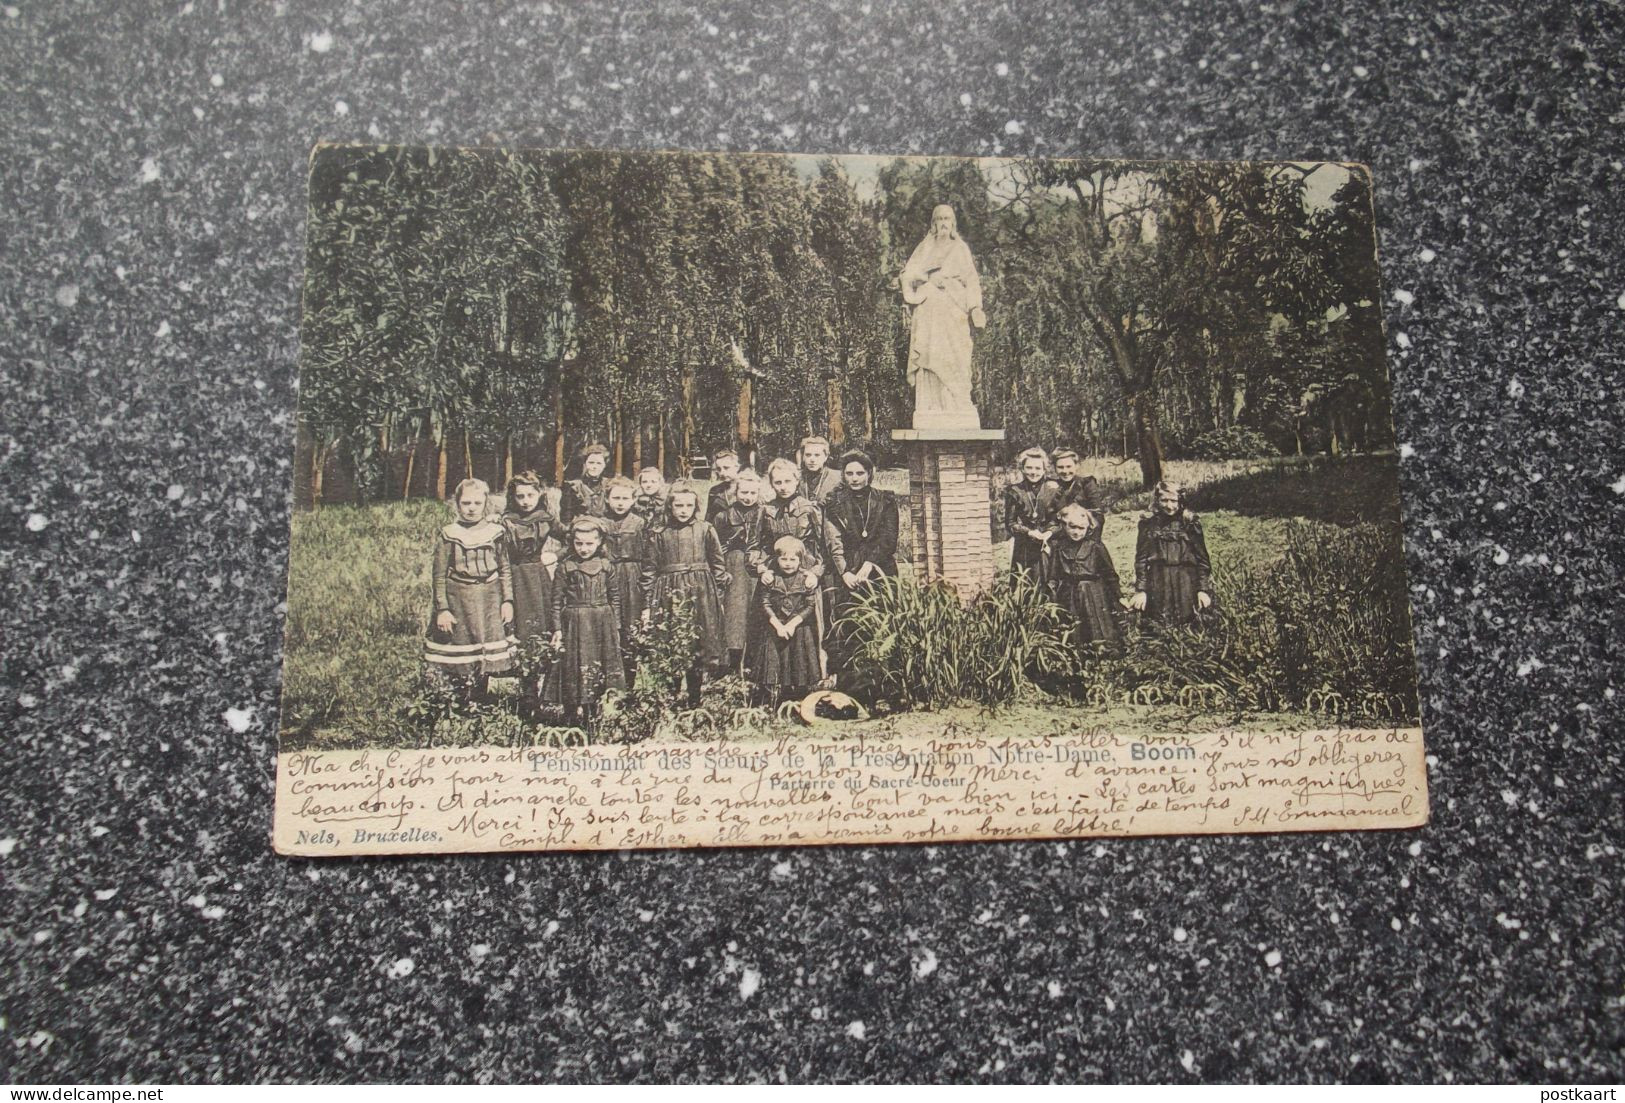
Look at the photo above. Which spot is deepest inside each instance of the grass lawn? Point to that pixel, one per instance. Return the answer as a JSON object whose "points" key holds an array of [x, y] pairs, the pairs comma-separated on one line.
{"points": [[359, 596]]}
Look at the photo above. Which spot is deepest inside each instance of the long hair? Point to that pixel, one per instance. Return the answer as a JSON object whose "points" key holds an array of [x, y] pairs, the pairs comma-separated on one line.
{"points": [[1171, 488], [596, 448], [525, 478], [859, 456], [473, 484], [679, 489], [1073, 509], [782, 464], [1033, 453], [790, 544], [588, 524]]}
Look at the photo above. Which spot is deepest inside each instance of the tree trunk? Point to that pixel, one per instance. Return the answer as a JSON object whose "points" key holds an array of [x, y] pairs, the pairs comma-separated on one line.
{"points": [[406, 481], [304, 452], [558, 426], [468, 454], [688, 416], [742, 414], [507, 458], [660, 444], [837, 418], [384, 465], [318, 460], [618, 427], [637, 448], [440, 467], [869, 412], [1147, 438]]}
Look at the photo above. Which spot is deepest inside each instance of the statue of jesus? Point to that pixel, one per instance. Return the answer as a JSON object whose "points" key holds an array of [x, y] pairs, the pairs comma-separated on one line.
{"points": [[940, 283]]}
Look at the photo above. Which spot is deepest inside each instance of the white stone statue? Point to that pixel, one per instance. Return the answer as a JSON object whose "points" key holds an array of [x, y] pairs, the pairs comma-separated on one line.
{"points": [[941, 285]]}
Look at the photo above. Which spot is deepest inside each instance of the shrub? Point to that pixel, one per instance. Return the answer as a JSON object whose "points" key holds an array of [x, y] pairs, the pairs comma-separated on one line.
{"points": [[435, 712], [921, 645], [1323, 629], [1342, 610], [664, 649], [652, 707], [1236, 442]]}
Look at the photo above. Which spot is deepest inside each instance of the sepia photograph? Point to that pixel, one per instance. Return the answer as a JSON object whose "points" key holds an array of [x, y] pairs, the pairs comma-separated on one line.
{"points": [[603, 449]]}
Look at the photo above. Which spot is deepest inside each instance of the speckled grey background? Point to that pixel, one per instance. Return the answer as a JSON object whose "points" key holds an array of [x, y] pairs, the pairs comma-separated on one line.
{"points": [[152, 218]]}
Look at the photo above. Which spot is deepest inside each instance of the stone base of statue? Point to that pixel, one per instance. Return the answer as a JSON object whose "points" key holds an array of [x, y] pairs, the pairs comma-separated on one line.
{"points": [[950, 476], [948, 419]]}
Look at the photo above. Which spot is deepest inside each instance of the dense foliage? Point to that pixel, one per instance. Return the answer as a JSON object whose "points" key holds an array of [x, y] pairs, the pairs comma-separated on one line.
{"points": [[920, 645], [1323, 630], [474, 311], [1233, 442]]}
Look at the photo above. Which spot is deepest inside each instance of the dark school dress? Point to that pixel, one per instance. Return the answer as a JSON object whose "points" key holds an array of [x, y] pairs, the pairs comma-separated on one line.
{"points": [[801, 518], [866, 522], [583, 497], [528, 537], [796, 663], [738, 527], [651, 507], [624, 539], [471, 581], [586, 610], [721, 495], [687, 559], [1079, 576], [1083, 491], [1027, 506], [1171, 566], [819, 487]]}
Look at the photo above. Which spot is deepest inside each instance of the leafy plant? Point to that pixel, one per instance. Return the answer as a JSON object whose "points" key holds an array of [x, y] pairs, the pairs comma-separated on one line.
{"points": [[923, 645], [664, 650], [1234, 442]]}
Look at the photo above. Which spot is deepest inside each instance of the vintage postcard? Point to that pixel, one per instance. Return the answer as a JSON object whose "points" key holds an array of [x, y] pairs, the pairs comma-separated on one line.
{"points": [[697, 499]]}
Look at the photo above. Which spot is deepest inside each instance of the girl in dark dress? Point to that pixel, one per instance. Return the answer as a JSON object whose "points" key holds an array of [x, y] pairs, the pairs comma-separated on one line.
{"points": [[584, 496], [625, 536], [468, 639], [791, 513], [1027, 516], [725, 469], [865, 518], [818, 482], [684, 557], [650, 503], [1071, 487], [1078, 575], [1173, 578], [738, 525], [532, 535], [787, 658], [585, 608]]}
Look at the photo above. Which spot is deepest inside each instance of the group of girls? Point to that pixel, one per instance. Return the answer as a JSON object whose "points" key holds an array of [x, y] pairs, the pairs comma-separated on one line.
{"points": [[766, 567], [1056, 523], [761, 568]]}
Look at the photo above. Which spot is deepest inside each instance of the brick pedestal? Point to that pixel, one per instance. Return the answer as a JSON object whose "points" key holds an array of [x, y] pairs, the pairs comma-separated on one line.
{"points": [[950, 472]]}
